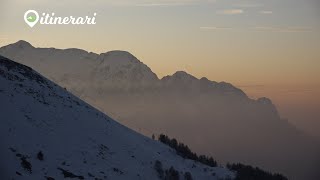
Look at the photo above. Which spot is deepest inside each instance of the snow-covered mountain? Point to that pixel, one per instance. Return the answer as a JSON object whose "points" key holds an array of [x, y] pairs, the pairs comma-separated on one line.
{"points": [[47, 133], [120, 65], [214, 118], [182, 81], [83, 72]]}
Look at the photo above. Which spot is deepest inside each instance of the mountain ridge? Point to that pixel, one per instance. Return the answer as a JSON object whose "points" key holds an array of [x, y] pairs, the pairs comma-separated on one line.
{"points": [[120, 57]]}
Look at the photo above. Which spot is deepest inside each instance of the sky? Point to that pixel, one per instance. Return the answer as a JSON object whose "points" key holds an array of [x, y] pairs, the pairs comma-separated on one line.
{"points": [[267, 48]]}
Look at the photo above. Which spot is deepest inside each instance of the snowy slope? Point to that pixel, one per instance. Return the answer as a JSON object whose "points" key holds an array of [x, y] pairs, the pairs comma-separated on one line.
{"points": [[39, 118]]}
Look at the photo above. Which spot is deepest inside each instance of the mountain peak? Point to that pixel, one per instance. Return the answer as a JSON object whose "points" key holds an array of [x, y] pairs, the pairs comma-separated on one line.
{"points": [[119, 57], [22, 44], [121, 66], [265, 100], [119, 52], [204, 79], [181, 75]]}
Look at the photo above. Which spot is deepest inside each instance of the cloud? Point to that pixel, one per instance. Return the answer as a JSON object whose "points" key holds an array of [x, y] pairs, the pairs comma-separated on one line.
{"points": [[283, 29], [265, 12], [274, 29], [230, 11], [214, 28], [248, 5], [159, 3], [163, 4]]}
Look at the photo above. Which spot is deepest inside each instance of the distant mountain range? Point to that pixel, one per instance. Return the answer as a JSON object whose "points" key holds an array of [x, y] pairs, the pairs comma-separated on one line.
{"points": [[214, 118]]}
